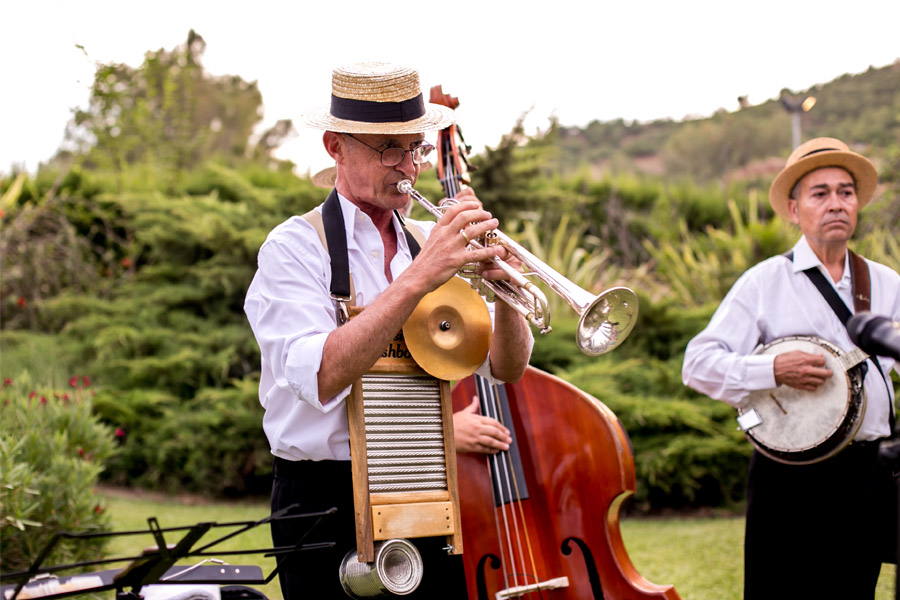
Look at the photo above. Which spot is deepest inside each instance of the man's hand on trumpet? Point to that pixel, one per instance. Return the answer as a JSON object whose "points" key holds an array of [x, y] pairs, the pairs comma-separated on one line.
{"points": [[448, 247], [487, 267]]}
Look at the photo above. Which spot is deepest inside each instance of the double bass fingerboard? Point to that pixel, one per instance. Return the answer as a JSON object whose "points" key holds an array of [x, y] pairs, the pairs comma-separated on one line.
{"points": [[507, 472]]}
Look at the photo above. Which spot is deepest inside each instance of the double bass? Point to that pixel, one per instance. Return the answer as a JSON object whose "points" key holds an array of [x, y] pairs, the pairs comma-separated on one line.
{"points": [[541, 520]]}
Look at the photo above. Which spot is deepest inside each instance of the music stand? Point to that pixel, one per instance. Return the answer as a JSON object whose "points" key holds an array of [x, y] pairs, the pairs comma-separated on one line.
{"points": [[156, 565]]}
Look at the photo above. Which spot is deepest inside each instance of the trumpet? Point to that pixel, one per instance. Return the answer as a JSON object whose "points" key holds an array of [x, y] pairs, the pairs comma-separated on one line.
{"points": [[605, 320]]}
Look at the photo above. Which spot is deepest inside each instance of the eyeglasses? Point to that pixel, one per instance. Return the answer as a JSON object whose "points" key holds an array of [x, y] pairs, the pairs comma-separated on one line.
{"points": [[391, 157]]}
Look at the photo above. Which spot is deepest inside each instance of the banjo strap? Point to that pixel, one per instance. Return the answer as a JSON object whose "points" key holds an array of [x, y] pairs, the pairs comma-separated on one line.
{"points": [[861, 286]]}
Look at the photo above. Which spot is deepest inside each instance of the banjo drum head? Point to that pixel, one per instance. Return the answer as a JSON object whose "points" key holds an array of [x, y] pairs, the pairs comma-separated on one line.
{"points": [[805, 426]]}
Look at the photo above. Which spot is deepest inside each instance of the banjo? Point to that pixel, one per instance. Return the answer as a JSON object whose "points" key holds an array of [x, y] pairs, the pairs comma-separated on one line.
{"points": [[802, 427]]}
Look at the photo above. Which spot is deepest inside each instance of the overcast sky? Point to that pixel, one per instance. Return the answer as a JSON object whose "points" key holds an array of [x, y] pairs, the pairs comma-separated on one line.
{"points": [[577, 59]]}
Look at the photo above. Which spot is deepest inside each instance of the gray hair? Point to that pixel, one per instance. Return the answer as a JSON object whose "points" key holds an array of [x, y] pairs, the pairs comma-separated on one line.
{"points": [[796, 189]]}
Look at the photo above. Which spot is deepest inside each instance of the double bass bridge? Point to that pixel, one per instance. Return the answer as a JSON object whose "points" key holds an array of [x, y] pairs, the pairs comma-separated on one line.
{"points": [[520, 590]]}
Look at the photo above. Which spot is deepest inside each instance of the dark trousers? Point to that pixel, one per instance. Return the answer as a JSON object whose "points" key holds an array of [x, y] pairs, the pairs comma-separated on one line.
{"points": [[821, 530], [320, 485]]}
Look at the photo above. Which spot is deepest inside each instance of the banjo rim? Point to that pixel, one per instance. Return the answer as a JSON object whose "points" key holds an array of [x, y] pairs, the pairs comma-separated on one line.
{"points": [[846, 427]]}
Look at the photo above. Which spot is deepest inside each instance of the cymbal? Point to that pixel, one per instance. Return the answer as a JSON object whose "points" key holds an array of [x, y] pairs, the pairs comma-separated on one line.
{"points": [[449, 332]]}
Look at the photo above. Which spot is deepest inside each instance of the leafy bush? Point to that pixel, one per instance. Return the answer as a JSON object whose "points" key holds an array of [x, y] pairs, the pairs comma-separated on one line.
{"points": [[212, 444], [52, 450]]}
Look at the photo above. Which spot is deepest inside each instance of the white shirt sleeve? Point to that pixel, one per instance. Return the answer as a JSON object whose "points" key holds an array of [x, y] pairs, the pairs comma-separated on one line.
{"points": [[291, 313], [719, 361]]}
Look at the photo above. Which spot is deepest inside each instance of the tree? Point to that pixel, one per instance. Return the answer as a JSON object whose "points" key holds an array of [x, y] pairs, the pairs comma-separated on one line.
{"points": [[170, 114]]}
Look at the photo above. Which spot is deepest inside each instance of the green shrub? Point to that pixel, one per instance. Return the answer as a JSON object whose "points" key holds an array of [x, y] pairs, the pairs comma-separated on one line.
{"points": [[212, 444], [52, 450]]}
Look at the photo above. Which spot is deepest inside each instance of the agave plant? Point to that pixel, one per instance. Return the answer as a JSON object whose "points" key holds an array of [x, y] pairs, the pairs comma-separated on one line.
{"points": [[567, 249], [700, 269]]}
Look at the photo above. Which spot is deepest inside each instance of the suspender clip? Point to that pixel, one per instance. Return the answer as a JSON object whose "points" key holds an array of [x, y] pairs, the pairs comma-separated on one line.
{"points": [[343, 315]]}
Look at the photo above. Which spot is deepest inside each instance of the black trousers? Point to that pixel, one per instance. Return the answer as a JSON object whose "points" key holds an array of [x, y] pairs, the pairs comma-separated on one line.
{"points": [[821, 530], [320, 485]]}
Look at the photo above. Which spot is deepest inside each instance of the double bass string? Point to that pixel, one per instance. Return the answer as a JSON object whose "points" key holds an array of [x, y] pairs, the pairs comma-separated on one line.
{"points": [[513, 493], [492, 461]]}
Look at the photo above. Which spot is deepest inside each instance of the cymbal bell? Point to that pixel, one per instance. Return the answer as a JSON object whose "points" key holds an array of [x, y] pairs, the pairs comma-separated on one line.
{"points": [[449, 332]]}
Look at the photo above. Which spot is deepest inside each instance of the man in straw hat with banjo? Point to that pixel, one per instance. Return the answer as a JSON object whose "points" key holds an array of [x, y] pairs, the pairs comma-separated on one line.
{"points": [[822, 515], [374, 130]]}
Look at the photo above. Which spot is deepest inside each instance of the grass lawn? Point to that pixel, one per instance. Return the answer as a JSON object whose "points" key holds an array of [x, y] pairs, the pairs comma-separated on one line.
{"points": [[701, 557]]}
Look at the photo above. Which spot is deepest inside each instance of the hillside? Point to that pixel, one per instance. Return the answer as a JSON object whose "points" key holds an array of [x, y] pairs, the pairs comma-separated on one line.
{"points": [[862, 109]]}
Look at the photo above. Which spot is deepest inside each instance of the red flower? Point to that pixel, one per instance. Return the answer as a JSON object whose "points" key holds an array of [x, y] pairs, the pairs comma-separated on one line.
{"points": [[81, 452], [65, 397], [32, 395], [120, 433], [86, 381], [126, 262], [73, 381], [7, 381], [98, 509], [21, 302], [43, 400]]}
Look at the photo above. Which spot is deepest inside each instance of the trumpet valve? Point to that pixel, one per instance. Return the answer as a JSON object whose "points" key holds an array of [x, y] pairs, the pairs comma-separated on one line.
{"points": [[491, 238]]}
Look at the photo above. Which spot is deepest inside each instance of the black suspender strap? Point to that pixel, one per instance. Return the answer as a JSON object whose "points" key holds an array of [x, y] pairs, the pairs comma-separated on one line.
{"points": [[336, 238], [410, 240], [333, 218]]}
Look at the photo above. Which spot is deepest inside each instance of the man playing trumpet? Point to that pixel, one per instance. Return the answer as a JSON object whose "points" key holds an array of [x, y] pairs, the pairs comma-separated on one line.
{"points": [[374, 131]]}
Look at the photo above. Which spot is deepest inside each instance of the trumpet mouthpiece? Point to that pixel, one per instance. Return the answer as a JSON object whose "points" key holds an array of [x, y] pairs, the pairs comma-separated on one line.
{"points": [[404, 186]]}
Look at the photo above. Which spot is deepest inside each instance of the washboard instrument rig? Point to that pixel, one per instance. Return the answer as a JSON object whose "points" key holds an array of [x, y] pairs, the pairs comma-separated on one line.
{"points": [[802, 427], [400, 417]]}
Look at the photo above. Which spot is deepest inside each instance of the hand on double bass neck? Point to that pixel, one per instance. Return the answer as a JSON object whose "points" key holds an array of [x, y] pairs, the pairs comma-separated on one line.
{"points": [[474, 432]]}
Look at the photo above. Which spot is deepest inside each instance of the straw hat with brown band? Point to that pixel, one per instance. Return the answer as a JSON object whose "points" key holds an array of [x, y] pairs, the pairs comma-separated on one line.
{"points": [[377, 97], [817, 154]]}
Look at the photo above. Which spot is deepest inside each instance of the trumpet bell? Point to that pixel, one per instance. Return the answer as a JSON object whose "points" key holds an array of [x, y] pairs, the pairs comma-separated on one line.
{"points": [[607, 321]]}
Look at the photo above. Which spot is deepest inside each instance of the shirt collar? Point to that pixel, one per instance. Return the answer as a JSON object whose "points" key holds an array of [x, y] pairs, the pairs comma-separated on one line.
{"points": [[352, 215], [804, 258]]}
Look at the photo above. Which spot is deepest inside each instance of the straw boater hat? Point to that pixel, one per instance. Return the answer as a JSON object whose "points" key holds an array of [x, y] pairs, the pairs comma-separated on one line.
{"points": [[375, 97], [325, 178], [816, 154]]}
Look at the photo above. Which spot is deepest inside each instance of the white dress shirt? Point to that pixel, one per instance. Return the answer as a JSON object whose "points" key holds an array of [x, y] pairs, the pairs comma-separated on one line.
{"points": [[291, 313], [775, 299]]}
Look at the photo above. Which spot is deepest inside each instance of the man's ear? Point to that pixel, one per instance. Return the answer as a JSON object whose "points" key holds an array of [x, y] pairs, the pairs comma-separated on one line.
{"points": [[793, 211], [334, 145]]}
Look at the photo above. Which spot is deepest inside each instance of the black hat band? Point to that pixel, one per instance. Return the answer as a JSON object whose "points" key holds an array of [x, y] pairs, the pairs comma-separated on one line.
{"points": [[367, 111]]}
